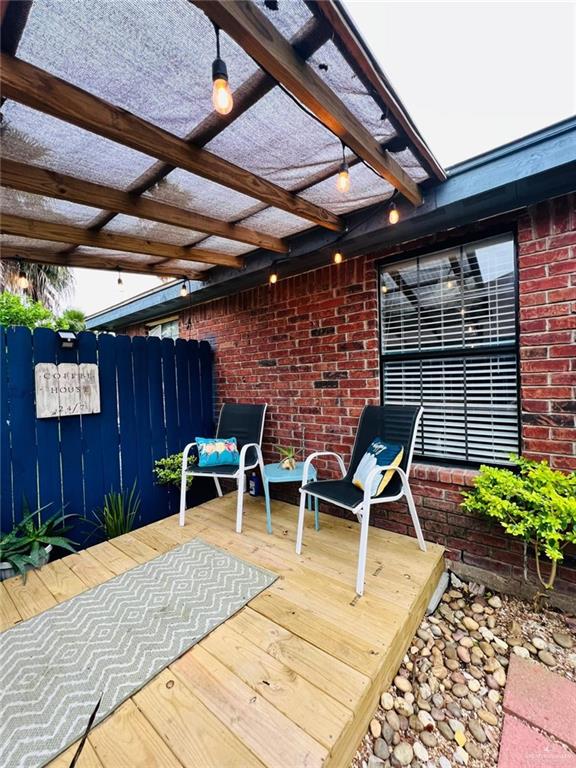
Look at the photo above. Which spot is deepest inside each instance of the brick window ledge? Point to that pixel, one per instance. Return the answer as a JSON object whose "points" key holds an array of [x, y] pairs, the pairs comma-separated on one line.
{"points": [[439, 474]]}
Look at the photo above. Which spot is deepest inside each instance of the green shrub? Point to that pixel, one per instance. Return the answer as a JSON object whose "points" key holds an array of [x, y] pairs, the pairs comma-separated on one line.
{"points": [[168, 471], [536, 503]]}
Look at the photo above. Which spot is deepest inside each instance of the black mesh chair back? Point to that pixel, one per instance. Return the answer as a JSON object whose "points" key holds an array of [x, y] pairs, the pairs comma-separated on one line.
{"points": [[392, 423], [243, 421]]}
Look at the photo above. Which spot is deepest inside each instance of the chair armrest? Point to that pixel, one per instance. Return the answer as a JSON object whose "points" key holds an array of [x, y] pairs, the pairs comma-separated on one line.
{"points": [[244, 451], [315, 455], [377, 471], [185, 455]]}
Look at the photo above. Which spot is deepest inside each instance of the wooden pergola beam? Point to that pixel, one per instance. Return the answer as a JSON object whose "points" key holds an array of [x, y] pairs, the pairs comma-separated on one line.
{"points": [[367, 71], [64, 233], [250, 28], [105, 261], [40, 90], [41, 181]]}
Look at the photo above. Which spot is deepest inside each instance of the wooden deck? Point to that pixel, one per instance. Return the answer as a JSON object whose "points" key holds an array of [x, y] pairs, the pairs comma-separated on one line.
{"points": [[292, 679]]}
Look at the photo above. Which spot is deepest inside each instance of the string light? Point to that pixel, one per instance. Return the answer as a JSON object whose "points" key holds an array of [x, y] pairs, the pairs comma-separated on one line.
{"points": [[450, 284], [384, 289], [23, 282], [183, 290], [222, 100], [338, 257], [343, 178], [120, 282], [273, 275], [393, 213]]}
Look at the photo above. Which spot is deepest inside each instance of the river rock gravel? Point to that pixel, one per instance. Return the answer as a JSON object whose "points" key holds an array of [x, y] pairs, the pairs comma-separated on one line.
{"points": [[444, 708]]}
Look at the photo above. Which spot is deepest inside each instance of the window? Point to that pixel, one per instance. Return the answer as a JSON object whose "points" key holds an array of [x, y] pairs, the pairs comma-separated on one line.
{"points": [[448, 343], [166, 329]]}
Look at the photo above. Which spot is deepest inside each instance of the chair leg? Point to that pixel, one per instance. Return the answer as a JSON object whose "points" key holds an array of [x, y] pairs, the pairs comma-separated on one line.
{"points": [[218, 486], [301, 514], [414, 516], [183, 484], [364, 525], [240, 502]]}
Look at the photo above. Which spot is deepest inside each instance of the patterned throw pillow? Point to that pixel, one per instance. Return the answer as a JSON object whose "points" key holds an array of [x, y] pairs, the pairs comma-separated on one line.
{"points": [[213, 452], [379, 454]]}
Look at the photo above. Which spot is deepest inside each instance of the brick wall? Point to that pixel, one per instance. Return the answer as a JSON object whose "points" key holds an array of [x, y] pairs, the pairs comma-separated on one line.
{"points": [[309, 347], [547, 264]]}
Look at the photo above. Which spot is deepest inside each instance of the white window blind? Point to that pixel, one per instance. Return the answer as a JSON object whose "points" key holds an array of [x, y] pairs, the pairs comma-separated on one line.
{"points": [[448, 334]]}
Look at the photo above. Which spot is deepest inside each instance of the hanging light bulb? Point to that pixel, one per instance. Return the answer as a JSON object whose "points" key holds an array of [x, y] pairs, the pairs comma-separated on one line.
{"points": [[222, 100], [393, 213], [273, 275], [338, 257], [384, 289], [120, 282], [183, 290], [343, 178], [23, 282], [450, 284]]}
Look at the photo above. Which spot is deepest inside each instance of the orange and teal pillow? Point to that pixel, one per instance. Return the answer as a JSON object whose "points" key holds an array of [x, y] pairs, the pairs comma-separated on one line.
{"points": [[216, 451], [379, 454]]}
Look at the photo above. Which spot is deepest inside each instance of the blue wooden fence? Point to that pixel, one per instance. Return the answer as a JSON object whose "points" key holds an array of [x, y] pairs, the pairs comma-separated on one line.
{"points": [[155, 394]]}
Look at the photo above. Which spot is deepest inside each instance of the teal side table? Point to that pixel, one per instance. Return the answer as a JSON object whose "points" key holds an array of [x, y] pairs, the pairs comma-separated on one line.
{"points": [[274, 474]]}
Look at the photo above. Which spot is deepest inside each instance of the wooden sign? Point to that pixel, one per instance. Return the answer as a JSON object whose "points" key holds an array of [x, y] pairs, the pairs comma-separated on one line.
{"points": [[67, 389]]}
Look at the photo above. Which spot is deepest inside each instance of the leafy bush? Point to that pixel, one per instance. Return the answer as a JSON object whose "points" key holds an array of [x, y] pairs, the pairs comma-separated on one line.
{"points": [[119, 512], [25, 546], [168, 471], [32, 314], [537, 504]]}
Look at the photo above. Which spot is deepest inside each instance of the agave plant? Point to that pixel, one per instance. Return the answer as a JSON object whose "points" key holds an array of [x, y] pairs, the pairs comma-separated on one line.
{"points": [[26, 545], [118, 512]]}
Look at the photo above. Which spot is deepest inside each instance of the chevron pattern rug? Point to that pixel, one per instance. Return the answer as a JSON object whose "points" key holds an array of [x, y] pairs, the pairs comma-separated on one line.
{"points": [[109, 641]]}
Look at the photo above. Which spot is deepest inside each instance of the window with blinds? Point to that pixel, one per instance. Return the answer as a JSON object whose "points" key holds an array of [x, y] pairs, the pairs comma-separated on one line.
{"points": [[448, 343]]}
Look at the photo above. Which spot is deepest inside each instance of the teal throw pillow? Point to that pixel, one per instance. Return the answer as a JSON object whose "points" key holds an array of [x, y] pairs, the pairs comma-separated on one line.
{"points": [[215, 451]]}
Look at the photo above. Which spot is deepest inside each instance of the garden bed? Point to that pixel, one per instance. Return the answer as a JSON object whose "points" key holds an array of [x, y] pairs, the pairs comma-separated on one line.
{"points": [[444, 707]]}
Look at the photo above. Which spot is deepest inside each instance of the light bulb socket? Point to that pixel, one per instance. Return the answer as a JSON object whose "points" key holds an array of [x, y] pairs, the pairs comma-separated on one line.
{"points": [[344, 167], [219, 70], [183, 290]]}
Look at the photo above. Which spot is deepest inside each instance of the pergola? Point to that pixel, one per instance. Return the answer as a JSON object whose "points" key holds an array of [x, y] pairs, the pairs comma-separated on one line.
{"points": [[113, 156]]}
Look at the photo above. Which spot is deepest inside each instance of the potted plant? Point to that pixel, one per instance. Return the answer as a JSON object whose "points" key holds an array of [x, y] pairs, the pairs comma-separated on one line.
{"points": [[30, 543], [168, 471], [287, 457], [536, 503]]}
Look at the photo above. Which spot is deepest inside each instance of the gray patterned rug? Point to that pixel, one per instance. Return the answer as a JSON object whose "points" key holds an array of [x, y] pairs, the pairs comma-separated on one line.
{"points": [[111, 640]]}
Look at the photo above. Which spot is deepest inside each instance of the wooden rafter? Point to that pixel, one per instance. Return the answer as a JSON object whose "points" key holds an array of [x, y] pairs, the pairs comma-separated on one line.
{"points": [[352, 50], [103, 260], [41, 181], [64, 233], [40, 90], [246, 24]]}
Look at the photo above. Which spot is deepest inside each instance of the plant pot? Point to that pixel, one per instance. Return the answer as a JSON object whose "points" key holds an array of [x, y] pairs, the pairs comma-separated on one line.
{"points": [[6, 570], [289, 464]]}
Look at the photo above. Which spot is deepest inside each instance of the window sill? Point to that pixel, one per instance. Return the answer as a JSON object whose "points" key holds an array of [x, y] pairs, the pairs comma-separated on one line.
{"points": [[448, 475]]}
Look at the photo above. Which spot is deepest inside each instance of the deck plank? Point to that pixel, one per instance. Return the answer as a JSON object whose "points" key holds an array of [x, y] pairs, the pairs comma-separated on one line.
{"points": [[128, 738], [88, 569], [9, 614], [59, 579], [273, 737], [314, 711], [112, 558], [323, 670], [30, 597], [194, 734], [88, 757]]}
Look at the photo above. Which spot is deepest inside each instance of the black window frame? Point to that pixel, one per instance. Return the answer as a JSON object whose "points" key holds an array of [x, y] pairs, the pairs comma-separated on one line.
{"points": [[458, 241]]}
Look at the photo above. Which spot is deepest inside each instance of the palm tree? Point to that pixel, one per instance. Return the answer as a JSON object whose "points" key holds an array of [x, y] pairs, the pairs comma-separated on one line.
{"points": [[47, 283]]}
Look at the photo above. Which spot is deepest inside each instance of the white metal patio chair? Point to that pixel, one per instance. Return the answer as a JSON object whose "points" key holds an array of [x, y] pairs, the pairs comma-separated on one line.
{"points": [[394, 424], [245, 422]]}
